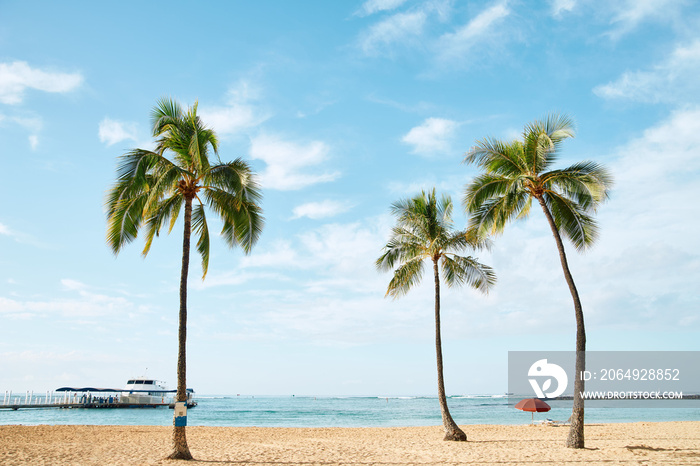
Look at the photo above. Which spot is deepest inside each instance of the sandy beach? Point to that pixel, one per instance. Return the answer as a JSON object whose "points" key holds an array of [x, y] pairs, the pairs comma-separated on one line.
{"points": [[637, 443]]}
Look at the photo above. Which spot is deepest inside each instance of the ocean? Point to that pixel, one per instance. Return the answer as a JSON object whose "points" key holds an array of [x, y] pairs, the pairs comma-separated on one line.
{"points": [[336, 411]]}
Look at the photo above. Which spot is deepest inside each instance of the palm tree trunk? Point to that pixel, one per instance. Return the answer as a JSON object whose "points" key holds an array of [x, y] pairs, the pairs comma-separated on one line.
{"points": [[452, 430], [576, 436], [180, 449]]}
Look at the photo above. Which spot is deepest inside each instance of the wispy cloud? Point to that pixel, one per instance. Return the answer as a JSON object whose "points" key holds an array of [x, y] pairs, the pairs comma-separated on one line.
{"points": [[289, 163], [239, 113], [432, 136], [82, 303], [453, 46], [32, 124], [323, 209], [402, 29], [18, 76], [674, 80], [113, 131], [561, 6], [628, 15], [20, 237], [373, 6]]}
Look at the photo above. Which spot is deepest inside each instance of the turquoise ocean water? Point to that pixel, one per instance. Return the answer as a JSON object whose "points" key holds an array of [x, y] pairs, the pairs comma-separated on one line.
{"points": [[303, 411]]}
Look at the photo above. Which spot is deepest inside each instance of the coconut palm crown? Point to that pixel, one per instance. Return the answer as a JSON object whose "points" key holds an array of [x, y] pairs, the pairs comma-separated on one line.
{"points": [[423, 232], [518, 172], [154, 186]]}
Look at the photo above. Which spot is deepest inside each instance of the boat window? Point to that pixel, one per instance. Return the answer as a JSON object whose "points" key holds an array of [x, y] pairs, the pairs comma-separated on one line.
{"points": [[149, 382], [131, 382]]}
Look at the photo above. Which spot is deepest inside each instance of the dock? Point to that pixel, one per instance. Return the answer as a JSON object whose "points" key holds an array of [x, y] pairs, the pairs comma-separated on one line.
{"points": [[85, 401]]}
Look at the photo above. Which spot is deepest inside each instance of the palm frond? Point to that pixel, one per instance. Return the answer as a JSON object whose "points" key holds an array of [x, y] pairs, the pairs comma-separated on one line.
{"points": [[459, 270], [543, 139], [404, 245], [484, 187], [571, 220], [165, 116], [494, 213], [159, 213], [125, 218], [151, 188], [587, 183], [235, 177], [423, 231], [498, 157], [201, 229], [405, 277], [243, 220]]}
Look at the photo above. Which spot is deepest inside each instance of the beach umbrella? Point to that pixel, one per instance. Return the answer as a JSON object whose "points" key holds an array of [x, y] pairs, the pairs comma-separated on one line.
{"points": [[533, 405]]}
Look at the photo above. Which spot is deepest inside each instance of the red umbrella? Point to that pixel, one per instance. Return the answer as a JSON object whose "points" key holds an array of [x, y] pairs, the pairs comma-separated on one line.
{"points": [[533, 405]]}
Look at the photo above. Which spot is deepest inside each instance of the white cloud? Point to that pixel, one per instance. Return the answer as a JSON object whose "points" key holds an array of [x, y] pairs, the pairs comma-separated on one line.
{"points": [[323, 209], [4, 230], [239, 113], [645, 265], [113, 131], [454, 46], [20, 237], [31, 124], [85, 305], [631, 13], [401, 28], [287, 162], [432, 136], [18, 76], [561, 6], [674, 80], [73, 285], [373, 6]]}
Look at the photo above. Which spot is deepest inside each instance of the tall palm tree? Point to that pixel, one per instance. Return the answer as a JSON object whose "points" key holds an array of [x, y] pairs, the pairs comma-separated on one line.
{"points": [[517, 172], [424, 231], [153, 187]]}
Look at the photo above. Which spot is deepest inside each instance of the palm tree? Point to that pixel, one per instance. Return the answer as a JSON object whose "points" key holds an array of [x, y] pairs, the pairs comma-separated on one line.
{"points": [[517, 172], [151, 190], [424, 231]]}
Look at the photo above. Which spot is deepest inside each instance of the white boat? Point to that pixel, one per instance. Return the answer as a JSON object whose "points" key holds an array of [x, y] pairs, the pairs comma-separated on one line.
{"points": [[143, 391]]}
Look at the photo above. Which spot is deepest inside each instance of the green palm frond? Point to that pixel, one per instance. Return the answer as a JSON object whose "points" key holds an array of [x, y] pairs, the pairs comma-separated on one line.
{"points": [[165, 116], [237, 177], [492, 215], [164, 211], [542, 140], [459, 270], [201, 229], [497, 157], [424, 231], [405, 277], [587, 183], [497, 196], [403, 246], [125, 219], [484, 187], [153, 186], [243, 221], [571, 220], [165, 184]]}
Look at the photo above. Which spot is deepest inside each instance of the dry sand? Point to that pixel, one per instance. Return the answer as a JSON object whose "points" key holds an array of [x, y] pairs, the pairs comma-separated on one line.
{"points": [[638, 443]]}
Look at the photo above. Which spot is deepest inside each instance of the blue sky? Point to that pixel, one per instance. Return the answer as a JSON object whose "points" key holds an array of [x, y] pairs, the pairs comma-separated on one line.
{"points": [[342, 108]]}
